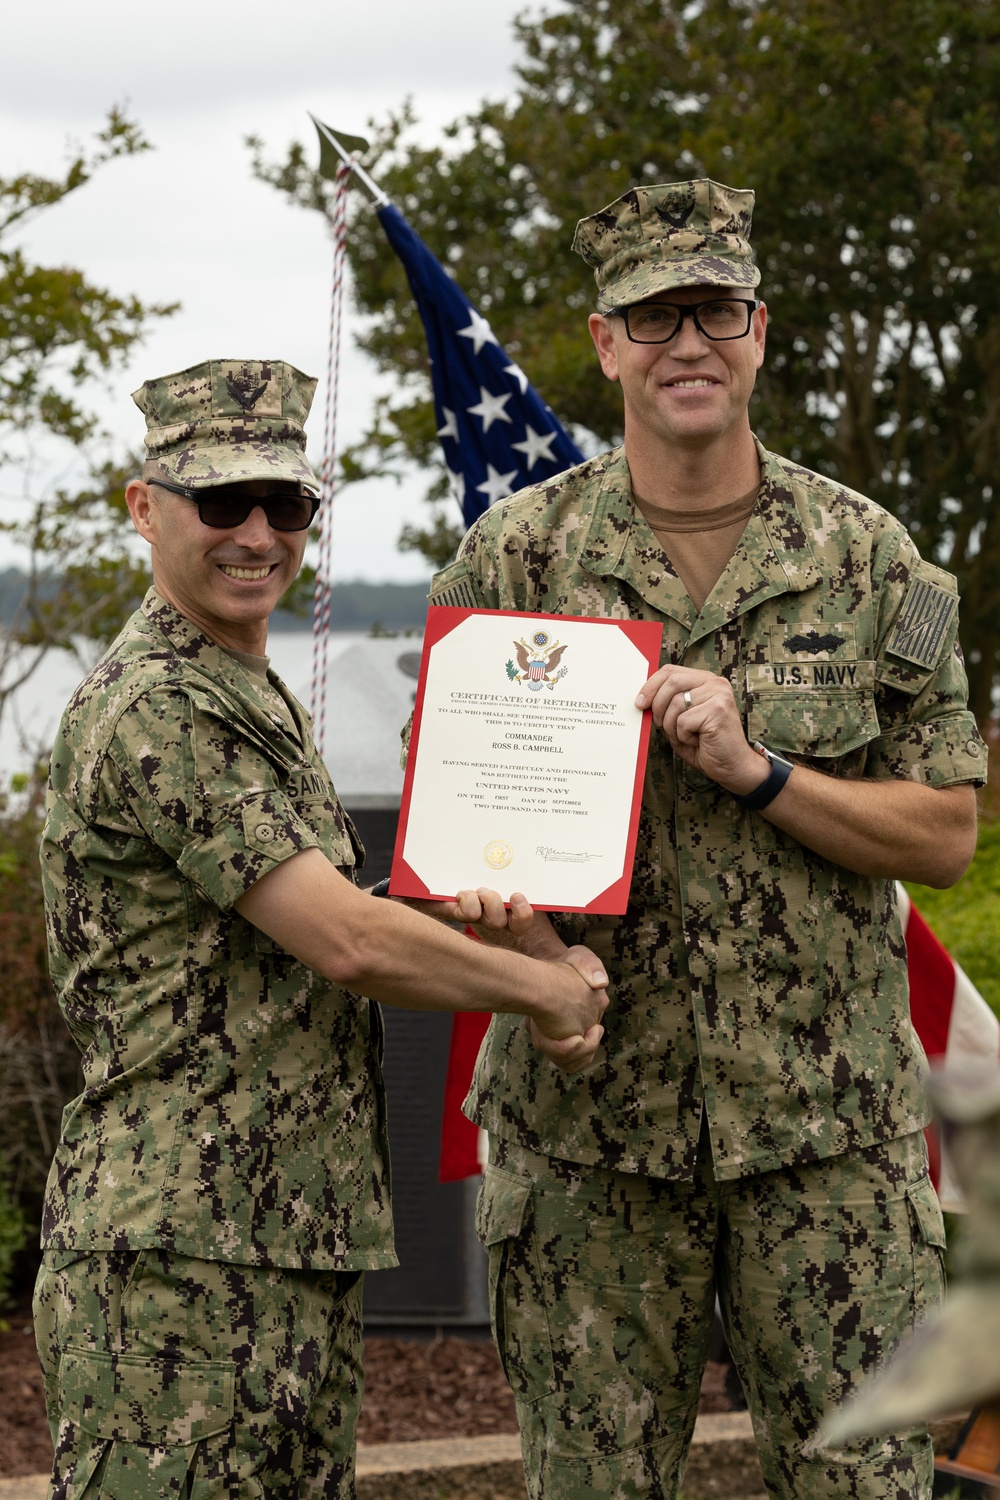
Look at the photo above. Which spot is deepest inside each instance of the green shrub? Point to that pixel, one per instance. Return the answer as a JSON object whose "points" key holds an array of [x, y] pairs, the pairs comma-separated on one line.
{"points": [[39, 1062], [13, 1237], [967, 917]]}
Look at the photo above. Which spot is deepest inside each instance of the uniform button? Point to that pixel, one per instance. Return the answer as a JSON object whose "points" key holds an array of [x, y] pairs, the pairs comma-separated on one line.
{"points": [[264, 832], [973, 747]]}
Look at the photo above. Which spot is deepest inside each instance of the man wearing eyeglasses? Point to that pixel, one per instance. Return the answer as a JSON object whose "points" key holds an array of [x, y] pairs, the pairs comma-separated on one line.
{"points": [[221, 1183], [751, 1126]]}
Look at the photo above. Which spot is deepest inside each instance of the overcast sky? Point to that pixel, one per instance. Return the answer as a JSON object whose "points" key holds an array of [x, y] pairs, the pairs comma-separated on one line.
{"points": [[188, 223]]}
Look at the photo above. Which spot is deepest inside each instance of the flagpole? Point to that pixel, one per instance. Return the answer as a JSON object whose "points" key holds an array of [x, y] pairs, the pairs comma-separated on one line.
{"points": [[369, 182], [340, 174]]}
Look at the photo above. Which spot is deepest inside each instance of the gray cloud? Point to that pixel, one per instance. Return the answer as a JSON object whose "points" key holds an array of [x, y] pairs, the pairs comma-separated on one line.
{"points": [[80, 57]]}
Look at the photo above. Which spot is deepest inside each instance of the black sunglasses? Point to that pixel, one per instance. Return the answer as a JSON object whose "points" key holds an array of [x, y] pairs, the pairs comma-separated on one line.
{"points": [[227, 511]]}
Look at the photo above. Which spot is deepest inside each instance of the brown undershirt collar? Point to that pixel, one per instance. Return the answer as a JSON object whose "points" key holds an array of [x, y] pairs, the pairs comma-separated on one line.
{"points": [[699, 543], [677, 518]]}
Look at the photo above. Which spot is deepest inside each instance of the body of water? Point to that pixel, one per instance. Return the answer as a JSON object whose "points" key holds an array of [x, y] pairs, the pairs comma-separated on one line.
{"points": [[32, 716]]}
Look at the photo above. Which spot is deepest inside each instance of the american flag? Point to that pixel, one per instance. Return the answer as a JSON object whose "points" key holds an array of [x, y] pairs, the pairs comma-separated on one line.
{"points": [[496, 432]]}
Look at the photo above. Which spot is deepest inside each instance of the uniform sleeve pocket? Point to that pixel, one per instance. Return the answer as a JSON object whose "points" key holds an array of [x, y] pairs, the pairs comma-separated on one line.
{"points": [[125, 1398]]}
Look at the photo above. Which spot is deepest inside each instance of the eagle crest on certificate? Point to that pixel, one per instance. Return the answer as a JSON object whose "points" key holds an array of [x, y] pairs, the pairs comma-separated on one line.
{"points": [[538, 660]]}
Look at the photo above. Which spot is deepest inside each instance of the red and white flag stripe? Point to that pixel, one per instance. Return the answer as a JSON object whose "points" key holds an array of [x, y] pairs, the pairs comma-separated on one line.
{"points": [[950, 1017]]}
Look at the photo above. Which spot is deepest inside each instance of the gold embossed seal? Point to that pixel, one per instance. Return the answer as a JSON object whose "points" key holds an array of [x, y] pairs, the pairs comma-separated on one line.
{"points": [[498, 854]]}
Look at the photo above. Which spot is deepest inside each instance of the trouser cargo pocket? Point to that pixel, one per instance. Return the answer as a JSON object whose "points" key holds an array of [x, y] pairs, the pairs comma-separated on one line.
{"points": [[135, 1423], [517, 1292]]}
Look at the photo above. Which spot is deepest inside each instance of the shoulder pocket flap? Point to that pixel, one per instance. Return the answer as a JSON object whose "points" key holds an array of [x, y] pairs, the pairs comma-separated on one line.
{"points": [[270, 827], [927, 1212], [134, 1400], [456, 585], [903, 675], [501, 1205], [263, 733]]}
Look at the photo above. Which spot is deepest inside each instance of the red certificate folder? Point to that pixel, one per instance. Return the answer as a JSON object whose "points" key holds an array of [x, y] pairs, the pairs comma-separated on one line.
{"points": [[539, 680]]}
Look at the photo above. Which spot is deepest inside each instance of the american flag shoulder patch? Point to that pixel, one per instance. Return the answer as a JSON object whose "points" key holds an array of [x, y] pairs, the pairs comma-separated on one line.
{"points": [[456, 586], [923, 623]]}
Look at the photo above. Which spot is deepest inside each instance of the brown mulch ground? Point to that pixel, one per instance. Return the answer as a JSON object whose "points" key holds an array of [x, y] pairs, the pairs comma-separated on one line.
{"points": [[25, 1447], [448, 1388]]}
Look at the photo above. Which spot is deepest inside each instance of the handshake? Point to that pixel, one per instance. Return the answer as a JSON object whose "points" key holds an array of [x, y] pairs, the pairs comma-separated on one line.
{"points": [[565, 1023]]}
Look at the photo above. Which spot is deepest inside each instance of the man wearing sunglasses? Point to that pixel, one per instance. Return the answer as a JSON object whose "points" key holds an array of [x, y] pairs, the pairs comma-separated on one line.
{"points": [[221, 1184], [750, 1128]]}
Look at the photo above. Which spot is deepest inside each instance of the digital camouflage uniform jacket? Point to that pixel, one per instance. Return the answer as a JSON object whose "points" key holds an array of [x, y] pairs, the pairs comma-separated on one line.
{"points": [[750, 978], [233, 1104]]}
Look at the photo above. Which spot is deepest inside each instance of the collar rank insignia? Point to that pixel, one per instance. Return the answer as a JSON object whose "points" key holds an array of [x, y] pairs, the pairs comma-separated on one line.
{"points": [[243, 390], [679, 219]]}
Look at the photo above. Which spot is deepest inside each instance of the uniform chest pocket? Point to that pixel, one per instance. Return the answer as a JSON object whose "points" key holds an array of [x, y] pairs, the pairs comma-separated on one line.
{"points": [[822, 711], [830, 727]]}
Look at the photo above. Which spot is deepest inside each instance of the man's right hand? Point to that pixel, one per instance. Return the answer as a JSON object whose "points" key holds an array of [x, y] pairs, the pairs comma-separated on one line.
{"points": [[392, 954], [567, 1026]]}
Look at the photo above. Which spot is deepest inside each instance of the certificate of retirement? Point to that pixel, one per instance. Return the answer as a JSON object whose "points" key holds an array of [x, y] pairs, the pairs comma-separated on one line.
{"points": [[526, 759]]}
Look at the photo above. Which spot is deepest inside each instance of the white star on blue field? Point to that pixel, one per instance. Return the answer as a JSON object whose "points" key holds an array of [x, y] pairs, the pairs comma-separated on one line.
{"points": [[496, 432]]}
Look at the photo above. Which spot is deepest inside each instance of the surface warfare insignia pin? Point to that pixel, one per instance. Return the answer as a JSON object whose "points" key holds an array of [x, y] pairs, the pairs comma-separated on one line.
{"points": [[812, 642], [538, 662]]}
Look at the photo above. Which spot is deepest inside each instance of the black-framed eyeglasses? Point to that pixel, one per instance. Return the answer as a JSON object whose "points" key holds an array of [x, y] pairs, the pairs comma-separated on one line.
{"points": [[224, 512], [658, 322]]}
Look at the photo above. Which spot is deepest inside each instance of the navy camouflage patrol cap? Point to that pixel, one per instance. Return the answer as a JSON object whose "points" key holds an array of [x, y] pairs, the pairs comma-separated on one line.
{"points": [[674, 234], [226, 420]]}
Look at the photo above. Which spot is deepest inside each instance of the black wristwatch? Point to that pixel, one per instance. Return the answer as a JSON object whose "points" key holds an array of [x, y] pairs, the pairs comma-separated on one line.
{"points": [[780, 771], [380, 888]]}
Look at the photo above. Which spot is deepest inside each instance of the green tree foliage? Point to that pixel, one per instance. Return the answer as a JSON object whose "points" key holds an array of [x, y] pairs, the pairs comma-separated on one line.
{"points": [[57, 332], [967, 918], [872, 137], [52, 320], [39, 1062], [13, 1234]]}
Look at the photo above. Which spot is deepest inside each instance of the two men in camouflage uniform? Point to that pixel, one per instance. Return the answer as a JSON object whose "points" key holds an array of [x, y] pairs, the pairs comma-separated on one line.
{"points": [[221, 1183], [751, 1127]]}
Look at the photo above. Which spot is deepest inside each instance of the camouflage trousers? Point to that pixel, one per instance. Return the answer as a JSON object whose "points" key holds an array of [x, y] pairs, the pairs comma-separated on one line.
{"points": [[167, 1376], [603, 1287]]}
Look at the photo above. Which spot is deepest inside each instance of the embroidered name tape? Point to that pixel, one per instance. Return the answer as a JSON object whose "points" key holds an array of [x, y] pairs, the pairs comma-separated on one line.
{"points": [[843, 676]]}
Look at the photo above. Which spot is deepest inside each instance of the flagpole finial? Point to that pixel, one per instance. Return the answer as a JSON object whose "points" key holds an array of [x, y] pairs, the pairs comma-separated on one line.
{"points": [[336, 148]]}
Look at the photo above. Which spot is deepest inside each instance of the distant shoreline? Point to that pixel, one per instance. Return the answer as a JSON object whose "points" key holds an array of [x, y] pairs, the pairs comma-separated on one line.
{"points": [[354, 606]]}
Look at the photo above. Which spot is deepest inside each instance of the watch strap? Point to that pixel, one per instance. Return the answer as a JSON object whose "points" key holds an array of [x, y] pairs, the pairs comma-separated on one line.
{"points": [[780, 770]]}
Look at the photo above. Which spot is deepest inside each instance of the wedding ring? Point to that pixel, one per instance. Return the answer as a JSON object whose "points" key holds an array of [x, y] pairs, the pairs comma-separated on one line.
{"points": [[687, 700]]}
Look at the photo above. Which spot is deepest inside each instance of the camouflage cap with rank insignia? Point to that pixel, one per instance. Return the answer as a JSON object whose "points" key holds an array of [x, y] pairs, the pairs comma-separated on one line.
{"points": [[226, 420], [653, 239]]}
